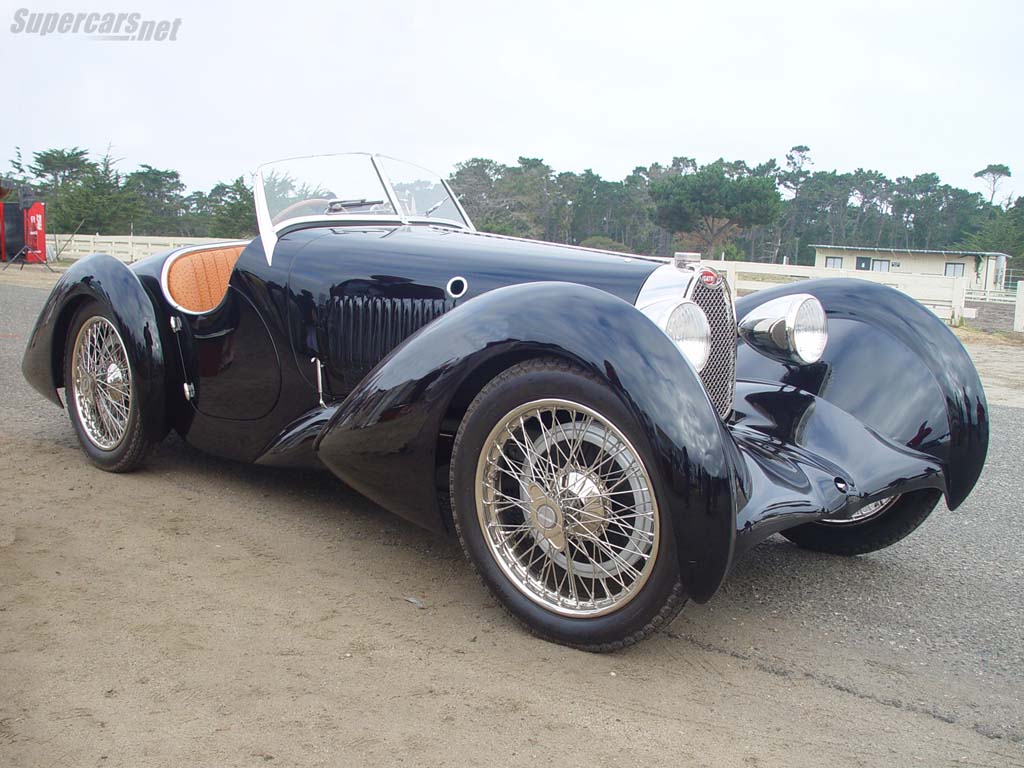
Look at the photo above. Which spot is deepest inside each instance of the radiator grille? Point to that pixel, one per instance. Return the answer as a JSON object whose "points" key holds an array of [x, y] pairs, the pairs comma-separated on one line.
{"points": [[719, 375], [362, 330]]}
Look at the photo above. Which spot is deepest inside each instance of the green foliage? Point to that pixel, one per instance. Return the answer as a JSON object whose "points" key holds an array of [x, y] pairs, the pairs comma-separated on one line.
{"points": [[233, 210], [863, 208], [993, 174], [158, 200], [715, 201], [530, 200], [1002, 233], [96, 198], [57, 167], [603, 243], [733, 252], [763, 212], [147, 201]]}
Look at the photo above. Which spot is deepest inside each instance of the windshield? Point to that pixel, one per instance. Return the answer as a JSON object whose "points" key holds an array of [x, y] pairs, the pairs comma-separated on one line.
{"points": [[419, 191], [353, 185]]}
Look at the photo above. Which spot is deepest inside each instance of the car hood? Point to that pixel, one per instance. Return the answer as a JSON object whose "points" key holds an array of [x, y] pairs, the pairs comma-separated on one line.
{"points": [[431, 256]]}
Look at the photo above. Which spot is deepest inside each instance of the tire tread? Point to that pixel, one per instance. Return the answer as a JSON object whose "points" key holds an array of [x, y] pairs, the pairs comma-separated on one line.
{"points": [[849, 541], [674, 602]]}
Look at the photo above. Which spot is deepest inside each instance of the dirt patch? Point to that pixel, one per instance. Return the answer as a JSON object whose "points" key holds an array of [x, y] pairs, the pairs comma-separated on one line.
{"points": [[972, 336], [202, 612], [1001, 367], [32, 275]]}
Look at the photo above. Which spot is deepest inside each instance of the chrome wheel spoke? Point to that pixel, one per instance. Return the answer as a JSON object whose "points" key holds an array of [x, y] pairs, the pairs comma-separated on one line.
{"points": [[865, 513], [565, 506], [101, 383]]}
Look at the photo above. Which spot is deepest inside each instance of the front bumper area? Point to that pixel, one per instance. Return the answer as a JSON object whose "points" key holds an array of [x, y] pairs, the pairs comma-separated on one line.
{"points": [[805, 459]]}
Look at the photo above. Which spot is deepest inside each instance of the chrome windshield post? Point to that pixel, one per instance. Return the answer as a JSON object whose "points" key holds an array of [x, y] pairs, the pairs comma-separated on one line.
{"points": [[388, 189], [458, 205]]}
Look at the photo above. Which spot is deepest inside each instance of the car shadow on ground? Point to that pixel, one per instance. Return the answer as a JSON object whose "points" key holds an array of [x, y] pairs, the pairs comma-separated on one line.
{"points": [[772, 580]]}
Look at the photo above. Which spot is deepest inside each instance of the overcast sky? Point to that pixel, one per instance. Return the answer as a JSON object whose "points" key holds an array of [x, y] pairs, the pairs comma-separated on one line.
{"points": [[903, 88]]}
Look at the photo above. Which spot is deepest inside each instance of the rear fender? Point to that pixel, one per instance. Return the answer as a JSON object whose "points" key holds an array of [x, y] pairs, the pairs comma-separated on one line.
{"points": [[110, 282], [896, 367], [383, 438]]}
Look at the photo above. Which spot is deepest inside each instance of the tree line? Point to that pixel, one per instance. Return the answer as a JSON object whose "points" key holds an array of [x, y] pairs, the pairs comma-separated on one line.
{"points": [[96, 197], [771, 211]]}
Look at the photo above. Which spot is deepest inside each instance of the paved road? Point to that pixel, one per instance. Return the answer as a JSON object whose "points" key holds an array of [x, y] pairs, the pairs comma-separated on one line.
{"points": [[206, 613]]}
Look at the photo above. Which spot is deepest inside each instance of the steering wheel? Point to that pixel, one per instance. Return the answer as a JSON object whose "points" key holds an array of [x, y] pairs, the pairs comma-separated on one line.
{"points": [[320, 203]]}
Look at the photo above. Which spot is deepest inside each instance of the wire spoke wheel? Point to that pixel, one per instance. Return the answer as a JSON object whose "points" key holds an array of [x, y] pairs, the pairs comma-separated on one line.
{"points": [[567, 508], [874, 526], [865, 513], [101, 383]]}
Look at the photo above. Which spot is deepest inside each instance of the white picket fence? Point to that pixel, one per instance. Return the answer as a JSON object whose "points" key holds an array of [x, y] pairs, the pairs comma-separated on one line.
{"points": [[943, 295], [993, 295], [127, 248]]}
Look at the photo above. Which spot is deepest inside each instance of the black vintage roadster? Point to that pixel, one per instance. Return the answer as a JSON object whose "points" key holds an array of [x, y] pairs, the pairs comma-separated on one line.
{"points": [[606, 434]]}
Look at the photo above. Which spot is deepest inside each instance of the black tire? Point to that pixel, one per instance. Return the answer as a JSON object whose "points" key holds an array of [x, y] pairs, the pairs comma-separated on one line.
{"points": [[652, 605], [130, 451], [858, 538]]}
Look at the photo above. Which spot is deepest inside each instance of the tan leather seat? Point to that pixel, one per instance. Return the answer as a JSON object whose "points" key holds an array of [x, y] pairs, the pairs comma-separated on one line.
{"points": [[198, 281]]}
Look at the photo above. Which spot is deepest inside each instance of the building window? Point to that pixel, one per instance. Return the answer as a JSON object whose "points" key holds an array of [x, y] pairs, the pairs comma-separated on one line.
{"points": [[880, 265], [954, 269], [833, 262]]}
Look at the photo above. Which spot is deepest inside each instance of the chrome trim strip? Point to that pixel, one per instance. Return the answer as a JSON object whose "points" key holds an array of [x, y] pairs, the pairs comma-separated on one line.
{"points": [[347, 219], [460, 294], [265, 224], [319, 380], [666, 283], [458, 205], [175, 255], [388, 189]]}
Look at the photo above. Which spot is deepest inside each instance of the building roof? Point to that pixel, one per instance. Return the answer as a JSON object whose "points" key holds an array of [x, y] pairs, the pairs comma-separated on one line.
{"points": [[909, 250]]}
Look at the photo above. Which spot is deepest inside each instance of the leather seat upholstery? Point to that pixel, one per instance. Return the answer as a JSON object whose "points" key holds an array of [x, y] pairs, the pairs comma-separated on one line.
{"points": [[198, 281]]}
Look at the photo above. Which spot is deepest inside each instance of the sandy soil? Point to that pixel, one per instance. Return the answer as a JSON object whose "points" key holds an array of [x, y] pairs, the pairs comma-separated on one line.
{"points": [[201, 612]]}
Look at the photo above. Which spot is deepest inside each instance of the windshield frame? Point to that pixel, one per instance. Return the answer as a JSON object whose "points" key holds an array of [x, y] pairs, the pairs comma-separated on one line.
{"points": [[270, 231]]}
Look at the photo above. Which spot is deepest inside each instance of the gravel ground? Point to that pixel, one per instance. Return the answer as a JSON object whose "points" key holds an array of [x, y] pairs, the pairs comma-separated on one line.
{"points": [[201, 612]]}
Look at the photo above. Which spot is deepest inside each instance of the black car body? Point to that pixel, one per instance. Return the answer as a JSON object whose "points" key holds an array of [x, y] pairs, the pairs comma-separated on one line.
{"points": [[358, 341]]}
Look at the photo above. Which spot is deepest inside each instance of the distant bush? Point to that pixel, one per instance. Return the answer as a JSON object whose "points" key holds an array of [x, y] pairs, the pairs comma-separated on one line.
{"points": [[605, 244]]}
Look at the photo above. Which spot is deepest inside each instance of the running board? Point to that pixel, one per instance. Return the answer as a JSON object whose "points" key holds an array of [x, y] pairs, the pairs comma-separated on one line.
{"points": [[294, 445]]}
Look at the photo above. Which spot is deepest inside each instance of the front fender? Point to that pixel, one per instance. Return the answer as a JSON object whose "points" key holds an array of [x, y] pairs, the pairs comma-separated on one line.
{"points": [[110, 282], [383, 438], [896, 367]]}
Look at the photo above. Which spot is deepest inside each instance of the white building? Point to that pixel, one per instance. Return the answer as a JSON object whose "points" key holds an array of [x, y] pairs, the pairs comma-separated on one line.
{"points": [[982, 270]]}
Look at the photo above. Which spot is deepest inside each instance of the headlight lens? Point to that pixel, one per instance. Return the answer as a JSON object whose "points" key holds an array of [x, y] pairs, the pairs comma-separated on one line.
{"points": [[687, 326], [810, 330], [793, 329]]}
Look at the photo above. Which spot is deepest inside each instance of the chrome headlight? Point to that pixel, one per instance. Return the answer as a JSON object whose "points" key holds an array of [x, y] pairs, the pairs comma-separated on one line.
{"points": [[789, 328], [687, 325], [682, 320], [810, 330]]}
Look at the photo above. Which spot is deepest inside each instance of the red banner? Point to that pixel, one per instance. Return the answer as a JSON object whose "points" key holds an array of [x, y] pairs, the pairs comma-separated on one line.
{"points": [[35, 232]]}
